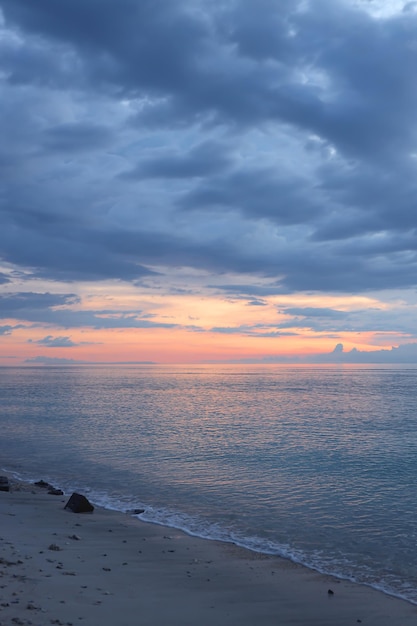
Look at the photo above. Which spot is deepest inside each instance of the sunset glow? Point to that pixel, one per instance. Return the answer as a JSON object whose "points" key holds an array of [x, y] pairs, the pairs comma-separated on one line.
{"points": [[212, 183]]}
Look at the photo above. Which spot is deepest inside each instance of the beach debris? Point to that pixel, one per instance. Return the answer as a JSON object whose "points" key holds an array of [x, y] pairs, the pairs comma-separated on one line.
{"points": [[135, 511], [54, 547], [53, 491], [75, 537], [8, 563], [43, 484], [79, 504], [330, 592], [4, 483]]}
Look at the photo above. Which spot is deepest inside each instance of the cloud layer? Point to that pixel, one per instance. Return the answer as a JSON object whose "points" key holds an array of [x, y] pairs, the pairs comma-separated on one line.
{"points": [[229, 147]]}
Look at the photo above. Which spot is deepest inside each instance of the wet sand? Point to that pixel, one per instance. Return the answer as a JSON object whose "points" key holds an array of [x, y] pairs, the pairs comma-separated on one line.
{"points": [[110, 569]]}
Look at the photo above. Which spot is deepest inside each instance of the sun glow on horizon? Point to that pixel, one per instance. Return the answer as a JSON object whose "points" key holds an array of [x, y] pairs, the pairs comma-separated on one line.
{"points": [[131, 325]]}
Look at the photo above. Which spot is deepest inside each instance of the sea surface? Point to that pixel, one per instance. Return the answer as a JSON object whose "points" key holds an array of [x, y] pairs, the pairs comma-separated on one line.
{"points": [[317, 464]]}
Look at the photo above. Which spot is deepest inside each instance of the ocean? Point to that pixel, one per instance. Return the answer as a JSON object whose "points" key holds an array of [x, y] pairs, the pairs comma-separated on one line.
{"points": [[316, 464]]}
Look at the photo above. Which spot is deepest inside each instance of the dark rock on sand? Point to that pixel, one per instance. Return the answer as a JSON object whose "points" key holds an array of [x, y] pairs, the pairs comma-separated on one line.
{"points": [[43, 484], [51, 489], [79, 504], [4, 483]]}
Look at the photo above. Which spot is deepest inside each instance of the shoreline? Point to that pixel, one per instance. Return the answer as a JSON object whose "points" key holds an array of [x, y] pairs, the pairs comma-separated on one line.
{"points": [[109, 568]]}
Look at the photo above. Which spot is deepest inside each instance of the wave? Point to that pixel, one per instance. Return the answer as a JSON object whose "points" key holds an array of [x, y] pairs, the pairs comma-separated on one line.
{"points": [[340, 566]]}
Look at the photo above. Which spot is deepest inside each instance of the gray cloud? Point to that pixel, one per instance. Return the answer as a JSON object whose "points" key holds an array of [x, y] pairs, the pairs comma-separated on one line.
{"points": [[51, 309], [406, 353], [6, 330], [257, 330], [76, 137], [46, 360], [57, 342], [272, 141], [54, 361], [201, 160], [400, 319], [315, 312], [16, 304]]}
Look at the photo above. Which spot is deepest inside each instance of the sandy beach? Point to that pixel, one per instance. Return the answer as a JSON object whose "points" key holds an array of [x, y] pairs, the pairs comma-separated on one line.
{"points": [[110, 569]]}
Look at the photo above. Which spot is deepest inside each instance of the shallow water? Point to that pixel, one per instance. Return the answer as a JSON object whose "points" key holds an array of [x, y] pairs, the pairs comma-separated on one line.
{"points": [[313, 463]]}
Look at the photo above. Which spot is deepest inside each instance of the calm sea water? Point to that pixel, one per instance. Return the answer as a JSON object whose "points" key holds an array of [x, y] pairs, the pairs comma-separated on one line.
{"points": [[317, 464]]}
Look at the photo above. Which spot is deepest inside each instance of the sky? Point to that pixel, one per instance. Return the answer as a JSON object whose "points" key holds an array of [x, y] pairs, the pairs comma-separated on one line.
{"points": [[208, 181]]}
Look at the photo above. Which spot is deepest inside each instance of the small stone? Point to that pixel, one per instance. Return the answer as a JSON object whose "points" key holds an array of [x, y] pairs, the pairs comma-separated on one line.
{"points": [[54, 547], [43, 484]]}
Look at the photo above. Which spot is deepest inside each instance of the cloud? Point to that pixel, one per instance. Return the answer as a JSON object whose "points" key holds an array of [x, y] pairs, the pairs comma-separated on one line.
{"points": [[74, 137], [257, 330], [58, 342], [256, 302], [268, 147], [6, 330], [52, 309], [315, 312], [396, 355], [202, 160], [53, 361], [406, 353], [46, 360]]}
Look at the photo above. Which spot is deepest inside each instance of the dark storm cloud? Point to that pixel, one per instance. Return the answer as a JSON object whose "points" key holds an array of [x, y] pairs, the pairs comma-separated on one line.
{"points": [[204, 159], [66, 248], [274, 138], [73, 137], [258, 194]]}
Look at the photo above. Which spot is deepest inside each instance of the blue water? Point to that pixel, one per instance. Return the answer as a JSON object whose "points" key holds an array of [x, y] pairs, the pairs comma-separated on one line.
{"points": [[317, 464]]}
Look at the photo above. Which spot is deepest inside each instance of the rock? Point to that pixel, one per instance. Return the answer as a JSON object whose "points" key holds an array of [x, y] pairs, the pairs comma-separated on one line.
{"points": [[4, 483], [43, 484], [79, 504], [136, 511], [54, 547], [51, 489]]}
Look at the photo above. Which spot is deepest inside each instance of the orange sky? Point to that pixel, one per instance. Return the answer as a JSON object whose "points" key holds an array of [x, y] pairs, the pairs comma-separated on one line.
{"points": [[203, 329]]}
